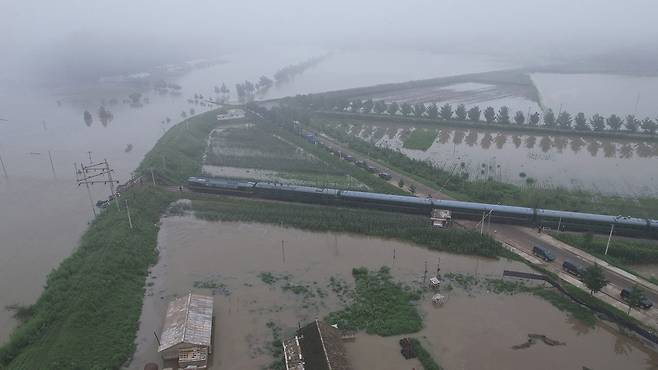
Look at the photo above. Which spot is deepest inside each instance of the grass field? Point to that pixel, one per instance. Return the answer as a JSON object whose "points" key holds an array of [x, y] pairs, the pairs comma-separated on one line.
{"points": [[621, 251], [420, 139], [380, 305]]}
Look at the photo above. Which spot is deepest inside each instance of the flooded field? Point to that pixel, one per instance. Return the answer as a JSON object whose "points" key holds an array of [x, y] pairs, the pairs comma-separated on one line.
{"points": [[516, 97], [570, 161], [471, 330], [599, 93], [44, 212]]}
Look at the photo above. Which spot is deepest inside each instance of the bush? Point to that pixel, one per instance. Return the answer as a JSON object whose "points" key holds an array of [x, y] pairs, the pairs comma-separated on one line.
{"points": [[380, 306]]}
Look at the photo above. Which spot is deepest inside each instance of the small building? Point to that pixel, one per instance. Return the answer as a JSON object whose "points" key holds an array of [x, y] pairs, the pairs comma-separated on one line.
{"points": [[435, 283], [441, 217], [187, 331], [316, 346], [439, 299]]}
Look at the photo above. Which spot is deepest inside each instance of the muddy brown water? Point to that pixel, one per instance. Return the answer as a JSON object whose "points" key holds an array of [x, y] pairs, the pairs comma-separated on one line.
{"points": [[471, 331]]}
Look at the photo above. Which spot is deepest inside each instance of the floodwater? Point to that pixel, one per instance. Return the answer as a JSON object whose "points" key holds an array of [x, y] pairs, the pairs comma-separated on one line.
{"points": [[599, 93], [471, 331], [42, 211], [613, 166]]}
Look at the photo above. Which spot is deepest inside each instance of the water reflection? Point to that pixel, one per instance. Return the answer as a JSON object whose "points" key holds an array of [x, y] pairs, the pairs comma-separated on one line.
{"points": [[444, 136], [472, 138], [545, 144], [516, 139], [571, 161], [458, 138], [487, 139]]}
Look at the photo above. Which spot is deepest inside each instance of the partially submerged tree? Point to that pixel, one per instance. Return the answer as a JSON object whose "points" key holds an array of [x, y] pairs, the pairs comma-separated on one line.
{"points": [[503, 115], [534, 119], [632, 124], [88, 118], [474, 114], [446, 111], [367, 106], [581, 122], [393, 108], [380, 107], [597, 122], [460, 112], [419, 109], [519, 118], [564, 120], [405, 109], [489, 114], [614, 122], [549, 118], [433, 111], [356, 105], [649, 126]]}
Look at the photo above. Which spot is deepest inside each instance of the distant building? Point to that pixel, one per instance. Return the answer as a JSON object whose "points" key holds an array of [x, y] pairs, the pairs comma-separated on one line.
{"points": [[317, 346], [187, 331], [231, 114]]}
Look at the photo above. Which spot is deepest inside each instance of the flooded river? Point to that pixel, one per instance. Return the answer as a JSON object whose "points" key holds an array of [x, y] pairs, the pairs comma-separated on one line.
{"points": [[471, 331], [552, 160], [43, 212]]}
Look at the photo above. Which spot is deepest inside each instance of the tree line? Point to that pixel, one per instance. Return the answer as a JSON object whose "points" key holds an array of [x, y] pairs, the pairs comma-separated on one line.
{"points": [[563, 120]]}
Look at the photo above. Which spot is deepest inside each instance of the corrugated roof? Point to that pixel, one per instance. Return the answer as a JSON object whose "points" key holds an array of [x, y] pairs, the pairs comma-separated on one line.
{"points": [[188, 320]]}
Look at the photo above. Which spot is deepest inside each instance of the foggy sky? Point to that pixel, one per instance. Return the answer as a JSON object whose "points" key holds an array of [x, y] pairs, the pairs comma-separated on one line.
{"points": [[83, 38]]}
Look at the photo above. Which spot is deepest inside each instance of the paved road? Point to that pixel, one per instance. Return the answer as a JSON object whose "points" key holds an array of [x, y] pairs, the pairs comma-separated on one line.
{"points": [[522, 238]]}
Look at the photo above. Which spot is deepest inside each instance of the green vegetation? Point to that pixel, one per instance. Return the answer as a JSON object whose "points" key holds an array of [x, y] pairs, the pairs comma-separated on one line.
{"points": [[380, 306], [208, 284], [594, 278], [177, 155], [259, 147], [461, 187], [93, 300], [388, 225], [424, 357], [275, 348], [621, 251], [420, 139], [271, 278]]}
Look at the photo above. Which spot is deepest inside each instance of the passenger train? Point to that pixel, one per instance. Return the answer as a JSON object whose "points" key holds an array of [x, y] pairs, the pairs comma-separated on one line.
{"points": [[537, 217]]}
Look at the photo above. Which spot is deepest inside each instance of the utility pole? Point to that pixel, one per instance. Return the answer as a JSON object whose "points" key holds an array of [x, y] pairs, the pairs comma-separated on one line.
{"points": [[612, 228], [4, 170], [94, 173], [91, 201], [425, 274], [130, 221], [152, 176], [51, 164], [283, 251]]}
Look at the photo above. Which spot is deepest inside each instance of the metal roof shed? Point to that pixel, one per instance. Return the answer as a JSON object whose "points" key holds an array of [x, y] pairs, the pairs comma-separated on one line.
{"points": [[188, 324]]}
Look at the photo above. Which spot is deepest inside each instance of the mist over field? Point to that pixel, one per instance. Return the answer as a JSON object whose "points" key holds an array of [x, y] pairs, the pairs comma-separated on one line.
{"points": [[49, 42]]}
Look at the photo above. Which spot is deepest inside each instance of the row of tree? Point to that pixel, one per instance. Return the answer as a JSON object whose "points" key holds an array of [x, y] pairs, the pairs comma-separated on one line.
{"points": [[247, 90], [287, 73], [563, 120]]}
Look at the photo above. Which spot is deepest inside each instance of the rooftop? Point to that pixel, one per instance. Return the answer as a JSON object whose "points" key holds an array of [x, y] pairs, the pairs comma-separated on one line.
{"points": [[188, 320]]}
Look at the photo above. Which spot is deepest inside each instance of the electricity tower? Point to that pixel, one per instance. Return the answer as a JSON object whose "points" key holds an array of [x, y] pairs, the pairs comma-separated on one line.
{"points": [[96, 173]]}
